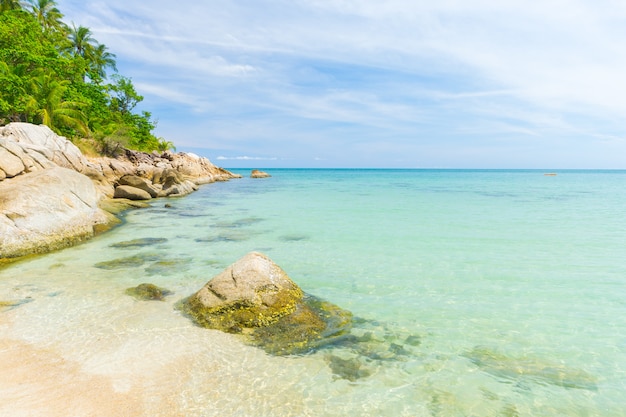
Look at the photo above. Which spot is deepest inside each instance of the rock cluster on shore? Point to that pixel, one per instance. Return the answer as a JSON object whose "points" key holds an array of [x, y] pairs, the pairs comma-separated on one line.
{"points": [[52, 196]]}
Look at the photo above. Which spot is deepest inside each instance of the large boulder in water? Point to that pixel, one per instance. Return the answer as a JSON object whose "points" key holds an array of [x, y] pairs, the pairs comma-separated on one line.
{"points": [[256, 298], [259, 174]]}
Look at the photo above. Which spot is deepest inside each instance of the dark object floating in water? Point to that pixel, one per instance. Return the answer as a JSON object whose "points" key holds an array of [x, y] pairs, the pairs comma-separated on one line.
{"points": [[550, 174], [148, 292], [138, 243]]}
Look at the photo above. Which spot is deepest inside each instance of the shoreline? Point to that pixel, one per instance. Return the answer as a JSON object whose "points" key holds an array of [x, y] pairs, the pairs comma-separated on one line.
{"points": [[55, 197]]}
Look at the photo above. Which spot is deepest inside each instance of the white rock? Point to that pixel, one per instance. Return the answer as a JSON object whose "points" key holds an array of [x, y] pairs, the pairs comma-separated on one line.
{"points": [[47, 210]]}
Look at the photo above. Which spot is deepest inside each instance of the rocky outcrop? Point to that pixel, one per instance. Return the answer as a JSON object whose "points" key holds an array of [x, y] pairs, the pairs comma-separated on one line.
{"points": [[25, 147], [46, 210], [256, 298], [259, 174], [38, 147], [45, 178], [131, 193], [163, 175], [140, 183]]}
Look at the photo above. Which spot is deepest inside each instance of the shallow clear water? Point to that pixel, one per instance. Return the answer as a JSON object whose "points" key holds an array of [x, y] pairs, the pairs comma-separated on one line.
{"points": [[478, 293]]}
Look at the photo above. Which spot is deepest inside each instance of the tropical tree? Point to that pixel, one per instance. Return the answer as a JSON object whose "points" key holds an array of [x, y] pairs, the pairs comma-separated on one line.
{"points": [[43, 67], [82, 42], [10, 5], [47, 14], [165, 145], [49, 105], [126, 97], [4, 104], [99, 60], [13, 93]]}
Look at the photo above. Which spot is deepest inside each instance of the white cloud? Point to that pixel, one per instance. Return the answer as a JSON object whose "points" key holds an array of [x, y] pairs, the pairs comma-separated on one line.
{"points": [[320, 73]]}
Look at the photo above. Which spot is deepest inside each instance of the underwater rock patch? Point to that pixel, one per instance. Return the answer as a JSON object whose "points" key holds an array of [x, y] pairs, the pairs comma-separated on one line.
{"points": [[168, 266], [351, 369], [146, 292], [226, 236], [11, 304], [247, 221], [254, 297], [128, 262], [294, 238], [545, 372], [379, 342], [138, 243]]}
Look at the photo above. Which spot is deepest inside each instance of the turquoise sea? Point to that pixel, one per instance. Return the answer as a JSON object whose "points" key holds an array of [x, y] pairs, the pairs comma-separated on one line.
{"points": [[477, 293]]}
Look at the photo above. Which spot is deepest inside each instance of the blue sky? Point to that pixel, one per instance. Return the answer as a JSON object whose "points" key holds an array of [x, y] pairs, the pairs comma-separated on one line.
{"points": [[375, 83]]}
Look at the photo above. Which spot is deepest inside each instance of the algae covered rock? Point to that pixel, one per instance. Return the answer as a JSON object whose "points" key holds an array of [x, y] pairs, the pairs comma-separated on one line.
{"points": [[535, 369], [256, 298], [138, 243], [148, 292]]}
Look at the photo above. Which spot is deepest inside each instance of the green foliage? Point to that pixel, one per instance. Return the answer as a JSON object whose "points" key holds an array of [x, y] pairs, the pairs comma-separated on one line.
{"points": [[6, 5], [54, 74], [125, 97]]}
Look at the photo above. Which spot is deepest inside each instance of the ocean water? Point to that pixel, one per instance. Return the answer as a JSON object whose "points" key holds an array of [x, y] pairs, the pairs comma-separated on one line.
{"points": [[476, 293]]}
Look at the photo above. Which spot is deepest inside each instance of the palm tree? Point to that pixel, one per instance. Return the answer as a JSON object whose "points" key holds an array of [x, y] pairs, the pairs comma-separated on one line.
{"points": [[81, 44], [165, 145], [81, 40], [47, 14], [48, 103], [100, 59], [10, 5]]}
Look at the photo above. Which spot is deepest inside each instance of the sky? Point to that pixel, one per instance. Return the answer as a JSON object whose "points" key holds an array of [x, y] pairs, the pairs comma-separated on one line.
{"points": [[376, 83]]}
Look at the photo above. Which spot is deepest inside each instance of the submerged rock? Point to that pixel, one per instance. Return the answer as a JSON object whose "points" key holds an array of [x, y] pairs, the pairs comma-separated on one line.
{"points": [[11, 304], [148, 292], [351, 369], [138, 243], [128, 262], [545, 372], [256, 298], [168, 266]]}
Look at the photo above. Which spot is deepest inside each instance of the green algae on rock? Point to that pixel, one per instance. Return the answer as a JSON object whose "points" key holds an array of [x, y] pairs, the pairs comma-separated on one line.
{"points": [[148, 291], [9, 305], [351, 369], [128, 262], [314, 324], [138, 243], [513, 368], [255, 297], [168, 266]]}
